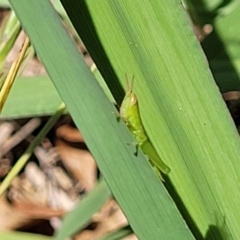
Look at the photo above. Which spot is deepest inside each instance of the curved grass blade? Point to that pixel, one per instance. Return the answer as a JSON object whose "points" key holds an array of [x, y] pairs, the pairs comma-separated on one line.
{"points": [[118, 234]]}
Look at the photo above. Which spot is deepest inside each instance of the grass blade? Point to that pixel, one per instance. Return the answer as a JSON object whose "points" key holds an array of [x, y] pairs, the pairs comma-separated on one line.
{"points": [[118, 234], [182, 109], [31, 97], [22, 236], [77, 219], [93, 114]]}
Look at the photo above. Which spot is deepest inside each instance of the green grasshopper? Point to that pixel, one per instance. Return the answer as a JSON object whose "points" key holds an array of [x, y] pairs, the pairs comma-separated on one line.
{"points": [[129, 113]]}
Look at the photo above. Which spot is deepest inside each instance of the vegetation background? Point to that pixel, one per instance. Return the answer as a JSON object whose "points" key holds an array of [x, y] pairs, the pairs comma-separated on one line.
{"points": [[180, 103]]}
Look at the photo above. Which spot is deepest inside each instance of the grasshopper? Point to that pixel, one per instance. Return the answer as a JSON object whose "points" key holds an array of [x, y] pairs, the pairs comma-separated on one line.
{"points": [[129, 113]]}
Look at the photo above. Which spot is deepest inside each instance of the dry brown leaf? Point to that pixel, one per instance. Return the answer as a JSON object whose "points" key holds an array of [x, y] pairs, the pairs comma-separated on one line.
{"points": [[37, 212], [79, 163], [10, 217], [109, 219], [36, 197], [232, 95], [31, 202], [5, 166], [69, 133]]}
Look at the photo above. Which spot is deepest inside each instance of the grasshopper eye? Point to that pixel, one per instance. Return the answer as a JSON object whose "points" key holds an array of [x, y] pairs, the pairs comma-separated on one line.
{"points": [[133, 99]]}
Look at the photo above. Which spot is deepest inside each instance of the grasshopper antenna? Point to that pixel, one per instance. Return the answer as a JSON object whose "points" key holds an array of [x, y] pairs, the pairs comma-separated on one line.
{"points": [[129, 84]]}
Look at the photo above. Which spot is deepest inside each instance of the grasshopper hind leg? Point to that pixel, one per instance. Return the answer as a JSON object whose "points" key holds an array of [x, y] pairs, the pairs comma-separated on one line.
{"points": [[158, 173]]}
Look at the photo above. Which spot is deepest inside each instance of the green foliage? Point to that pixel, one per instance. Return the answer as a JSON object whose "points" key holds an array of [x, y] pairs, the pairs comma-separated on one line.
{"points": [[119, 234], [22, 236], [92, 112], [182, 109], [31, 97], [177, 94]]}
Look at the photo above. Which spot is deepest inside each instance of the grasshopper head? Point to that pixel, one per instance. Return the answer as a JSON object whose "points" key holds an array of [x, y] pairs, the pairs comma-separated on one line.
{"points": [[129, 101]]}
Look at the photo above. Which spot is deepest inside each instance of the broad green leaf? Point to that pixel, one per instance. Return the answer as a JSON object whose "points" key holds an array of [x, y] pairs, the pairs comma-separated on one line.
{"points": [[131, 179], [182, 108], [31, 97], [37, 96]]}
